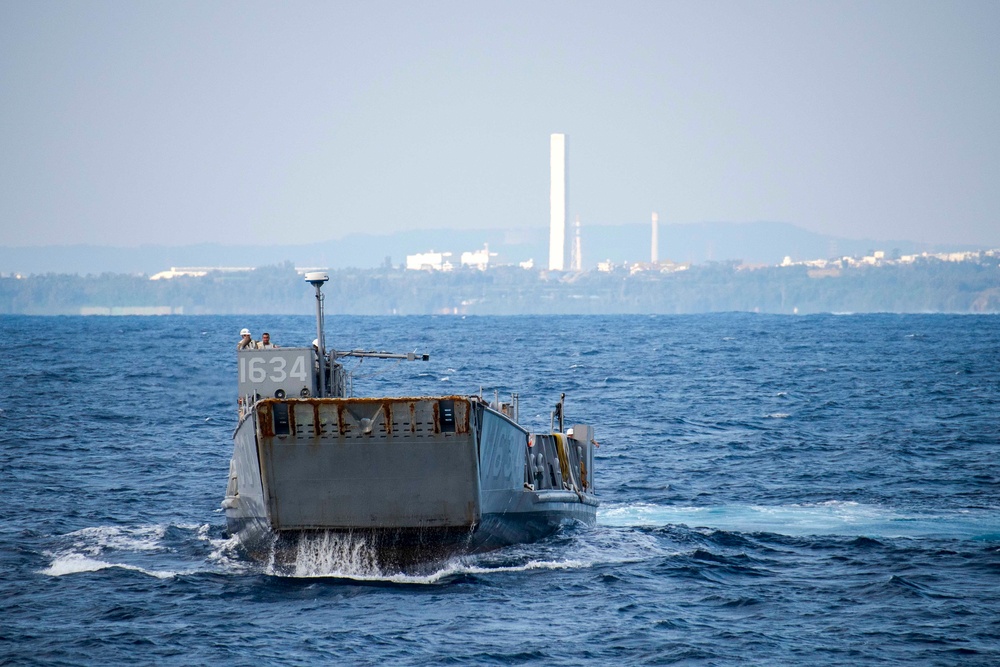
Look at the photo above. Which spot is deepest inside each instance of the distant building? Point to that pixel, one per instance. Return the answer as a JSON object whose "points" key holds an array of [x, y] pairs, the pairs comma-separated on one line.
{"points": [[131, 310], [429, 261], [197, 271], [557, 202], [660, 267], [478, 259], [303, 270]]}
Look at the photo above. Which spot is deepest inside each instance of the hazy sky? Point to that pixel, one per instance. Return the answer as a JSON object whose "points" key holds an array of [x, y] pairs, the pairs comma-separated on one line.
{"points": [[161, 122]]}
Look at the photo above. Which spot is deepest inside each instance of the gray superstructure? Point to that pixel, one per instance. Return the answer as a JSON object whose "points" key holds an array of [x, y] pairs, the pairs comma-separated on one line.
{"points": [[419, 477]]}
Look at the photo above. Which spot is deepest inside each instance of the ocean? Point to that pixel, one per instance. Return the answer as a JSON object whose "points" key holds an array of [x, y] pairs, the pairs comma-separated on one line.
{"points": [[776, 490]]}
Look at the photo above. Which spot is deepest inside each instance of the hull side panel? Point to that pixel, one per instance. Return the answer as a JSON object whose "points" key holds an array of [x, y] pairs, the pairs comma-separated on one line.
{"points": [[503, 447], [249, 510], [533, 515]]}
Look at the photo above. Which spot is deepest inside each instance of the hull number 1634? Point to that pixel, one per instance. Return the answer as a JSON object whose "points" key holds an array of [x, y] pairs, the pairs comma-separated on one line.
{"points": [[276, 369]]}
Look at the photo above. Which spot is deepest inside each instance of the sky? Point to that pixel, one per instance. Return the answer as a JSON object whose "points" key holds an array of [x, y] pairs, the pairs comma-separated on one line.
{"points": [[177, 122]]}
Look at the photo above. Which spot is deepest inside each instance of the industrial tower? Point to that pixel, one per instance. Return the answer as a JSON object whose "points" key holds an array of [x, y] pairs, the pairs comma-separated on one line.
{"points": [[654, 249]]}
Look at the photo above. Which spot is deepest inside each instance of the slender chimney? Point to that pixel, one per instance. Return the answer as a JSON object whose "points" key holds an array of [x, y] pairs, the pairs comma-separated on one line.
{"points": [[577, 263], [654, 250]]}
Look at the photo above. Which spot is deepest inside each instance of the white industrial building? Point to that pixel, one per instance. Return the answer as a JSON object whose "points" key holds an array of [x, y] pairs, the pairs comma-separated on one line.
{"points": [[429, 261], [478, 259], [197, 271]]}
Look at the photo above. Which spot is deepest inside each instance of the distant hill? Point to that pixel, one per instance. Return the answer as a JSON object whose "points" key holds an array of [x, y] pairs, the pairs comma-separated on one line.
{"points": [[752, 243]]}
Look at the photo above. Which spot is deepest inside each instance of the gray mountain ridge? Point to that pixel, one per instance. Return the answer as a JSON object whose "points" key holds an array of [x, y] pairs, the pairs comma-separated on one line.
{"points": [[751, 243]]}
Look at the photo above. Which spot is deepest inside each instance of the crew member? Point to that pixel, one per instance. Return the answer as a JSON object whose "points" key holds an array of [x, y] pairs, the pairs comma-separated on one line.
{"points": [[246, 341], [265, 342]]}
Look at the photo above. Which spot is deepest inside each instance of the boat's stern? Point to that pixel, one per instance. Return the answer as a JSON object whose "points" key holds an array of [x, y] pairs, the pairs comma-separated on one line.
{"points": [[359, 463]]}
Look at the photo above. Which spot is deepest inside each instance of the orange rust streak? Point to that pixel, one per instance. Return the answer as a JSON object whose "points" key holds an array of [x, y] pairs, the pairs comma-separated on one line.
{"points": [[340, 419], [264, 420], [387, 417], [463, 426]]}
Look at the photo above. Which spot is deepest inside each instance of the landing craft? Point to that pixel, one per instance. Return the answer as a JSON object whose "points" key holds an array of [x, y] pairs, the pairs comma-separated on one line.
{"points": [[415, 480]]}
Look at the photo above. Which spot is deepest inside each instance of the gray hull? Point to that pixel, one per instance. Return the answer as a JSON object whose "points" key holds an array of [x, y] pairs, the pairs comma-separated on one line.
{"points": [[421, 478]]}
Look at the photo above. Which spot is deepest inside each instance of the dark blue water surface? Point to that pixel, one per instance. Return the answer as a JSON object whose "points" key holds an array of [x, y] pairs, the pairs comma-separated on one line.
{"points": [[776, 490]]}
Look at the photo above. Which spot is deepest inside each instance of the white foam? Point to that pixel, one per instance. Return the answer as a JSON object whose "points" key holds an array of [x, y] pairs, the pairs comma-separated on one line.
{"points": [[75, 563], [354, 557], [224, 554], [530, 565], [447, 571], [102, 547], [826, 518], [97, 539], [332, 554]]}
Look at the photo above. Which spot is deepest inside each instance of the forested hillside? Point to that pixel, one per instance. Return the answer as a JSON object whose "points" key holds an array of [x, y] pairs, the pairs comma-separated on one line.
{"points": [[926, 286]]}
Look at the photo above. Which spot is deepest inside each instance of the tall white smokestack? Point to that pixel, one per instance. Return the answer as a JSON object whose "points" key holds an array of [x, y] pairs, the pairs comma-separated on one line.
{"points": [[557, 202], [654, 250]]}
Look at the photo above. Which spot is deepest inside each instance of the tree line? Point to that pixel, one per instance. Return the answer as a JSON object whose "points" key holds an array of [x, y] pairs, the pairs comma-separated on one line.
{"points": [[926, 286]]}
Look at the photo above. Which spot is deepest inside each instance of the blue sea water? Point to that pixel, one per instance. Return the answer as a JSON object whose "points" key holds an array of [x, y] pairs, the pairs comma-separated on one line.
{"points": [[776, 490]]}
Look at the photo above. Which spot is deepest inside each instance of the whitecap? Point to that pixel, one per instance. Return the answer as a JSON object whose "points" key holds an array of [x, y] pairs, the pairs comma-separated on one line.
{"points": [[353, 557], [97, 539], [530, 565], [833, 517], [74, 563], [444, 573]]}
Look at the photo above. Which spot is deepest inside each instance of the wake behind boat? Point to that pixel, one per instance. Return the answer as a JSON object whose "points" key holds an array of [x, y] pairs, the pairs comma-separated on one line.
{"points": [[412, 479]]}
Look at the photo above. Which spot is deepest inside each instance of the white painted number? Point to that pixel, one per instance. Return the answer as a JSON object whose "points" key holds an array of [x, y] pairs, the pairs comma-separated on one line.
{"points": [[299, 368], [255, 369], [256, 373], [278, 373]]}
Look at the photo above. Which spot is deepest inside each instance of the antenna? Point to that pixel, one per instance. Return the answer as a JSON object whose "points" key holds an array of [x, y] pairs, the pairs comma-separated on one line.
{"points": [[316, 279], [654, 246]]}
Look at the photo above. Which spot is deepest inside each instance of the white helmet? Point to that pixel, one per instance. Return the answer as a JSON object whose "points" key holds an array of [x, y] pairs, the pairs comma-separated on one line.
{"points": [[245, 332], [316, 342]]}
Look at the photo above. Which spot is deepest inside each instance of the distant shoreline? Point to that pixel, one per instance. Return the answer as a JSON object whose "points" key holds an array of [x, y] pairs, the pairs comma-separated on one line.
{"points": [[928, 286]]}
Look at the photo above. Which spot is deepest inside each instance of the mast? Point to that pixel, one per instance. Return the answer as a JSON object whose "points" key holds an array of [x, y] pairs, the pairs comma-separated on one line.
{"points": [[316, 279]]}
